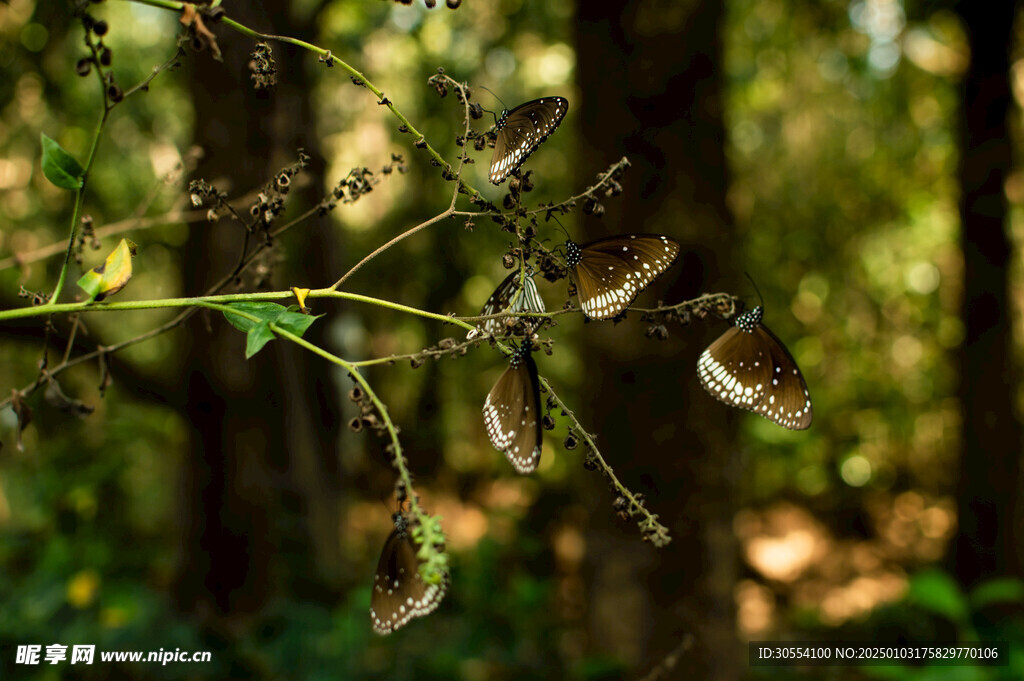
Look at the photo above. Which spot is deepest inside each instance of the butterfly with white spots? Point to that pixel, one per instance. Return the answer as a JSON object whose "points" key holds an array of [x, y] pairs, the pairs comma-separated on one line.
{"points": [[512, 412], [521, 130], [511, 296], [399, 591], [610, 273], [749, 367]]}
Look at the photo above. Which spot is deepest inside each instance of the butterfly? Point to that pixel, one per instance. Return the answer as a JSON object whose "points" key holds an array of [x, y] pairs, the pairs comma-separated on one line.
{"points": [[611, 272], [399, 592], [512, 412], [512, 297], [749, 367], [521, 130]]}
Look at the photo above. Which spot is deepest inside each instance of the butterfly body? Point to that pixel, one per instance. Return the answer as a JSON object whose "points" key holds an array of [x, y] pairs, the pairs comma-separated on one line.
{"points": [[610, 273], [521, 130], [399, 592], [512, 412], [749, 367], [513, 296]]}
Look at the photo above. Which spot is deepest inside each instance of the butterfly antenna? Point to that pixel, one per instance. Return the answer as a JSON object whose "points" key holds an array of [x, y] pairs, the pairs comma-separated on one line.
{"points": [[555, 218], [482, 87], [757, 290]]}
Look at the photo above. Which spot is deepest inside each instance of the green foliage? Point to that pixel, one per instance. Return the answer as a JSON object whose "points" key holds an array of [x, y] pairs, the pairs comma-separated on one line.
{"points": [[936, 591], [258, 332], [1007, 590], [973, 618], [60, 167]]}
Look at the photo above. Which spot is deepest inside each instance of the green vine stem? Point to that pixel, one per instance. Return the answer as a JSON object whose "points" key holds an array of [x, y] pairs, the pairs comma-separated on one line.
{"points": [[108, 106], [428, 548], [76, 211]]}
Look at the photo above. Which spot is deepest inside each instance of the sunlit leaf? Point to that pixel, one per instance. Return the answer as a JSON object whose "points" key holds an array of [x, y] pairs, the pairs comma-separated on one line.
{"points": [[112, 276], [60, 167]]}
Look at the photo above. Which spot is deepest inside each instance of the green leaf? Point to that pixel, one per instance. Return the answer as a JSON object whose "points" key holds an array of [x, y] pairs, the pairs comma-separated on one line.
{"points": [[936, 591], [60, 167], [107, 279], [259, 332], [257, 336], [266, 312], [1001, 590], [296, 322]]}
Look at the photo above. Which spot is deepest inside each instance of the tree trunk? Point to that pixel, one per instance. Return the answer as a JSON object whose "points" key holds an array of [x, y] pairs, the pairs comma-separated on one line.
{"points": [[652, 81], [990, 506], [261, 487]]}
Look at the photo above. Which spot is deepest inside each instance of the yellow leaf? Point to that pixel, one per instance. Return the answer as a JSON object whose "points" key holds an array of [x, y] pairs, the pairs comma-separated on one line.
{"points": [[112, 276]]}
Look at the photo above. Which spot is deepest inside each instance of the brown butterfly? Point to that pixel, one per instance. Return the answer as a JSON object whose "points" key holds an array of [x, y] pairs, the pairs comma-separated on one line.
{"points": [[521, 130], [399, 592], [512, 412], [749, 367], [611, 272]]}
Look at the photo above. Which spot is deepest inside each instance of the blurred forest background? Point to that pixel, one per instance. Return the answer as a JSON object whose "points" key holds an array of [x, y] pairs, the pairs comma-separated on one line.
{"points": [[856, 157]]}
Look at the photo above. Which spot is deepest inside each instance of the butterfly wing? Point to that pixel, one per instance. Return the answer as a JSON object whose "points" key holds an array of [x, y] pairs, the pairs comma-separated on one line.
{"points": [[736, 369], [399, 592], [512, 413], [788, 402], [749, 367], [529, 300], [505, 298], [611, 273], [521, 131]]}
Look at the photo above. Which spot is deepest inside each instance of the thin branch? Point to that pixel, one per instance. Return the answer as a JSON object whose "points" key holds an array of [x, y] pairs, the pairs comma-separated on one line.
{"points": [[143, 85], [725, 302], [114, 228], [603, 182], [359, 79], [652, 530], [463, 90], [443, 348], [389, 244]]}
